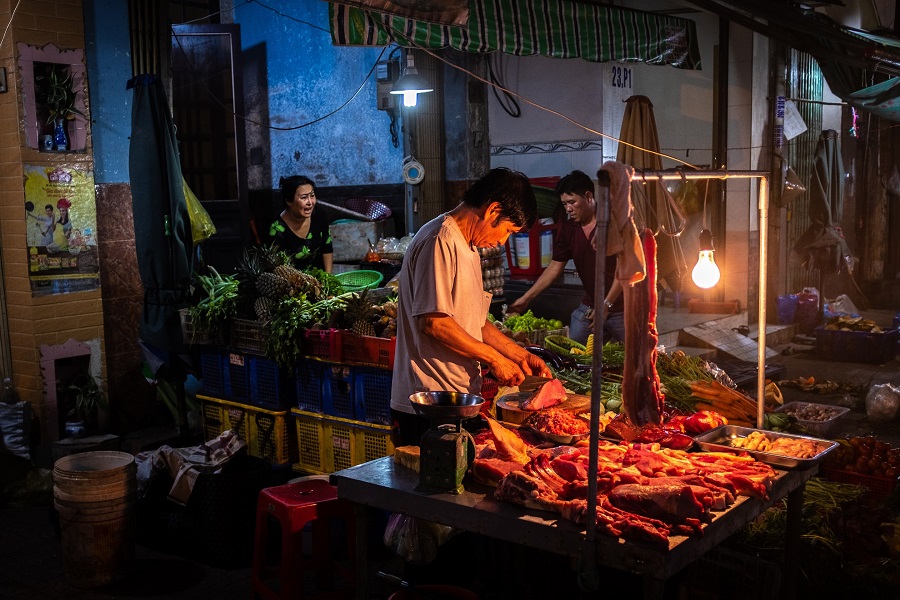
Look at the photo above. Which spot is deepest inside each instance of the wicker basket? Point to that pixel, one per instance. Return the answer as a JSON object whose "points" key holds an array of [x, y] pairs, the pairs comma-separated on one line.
{"points": [[359, 280], [192, 335], [247, 335]]}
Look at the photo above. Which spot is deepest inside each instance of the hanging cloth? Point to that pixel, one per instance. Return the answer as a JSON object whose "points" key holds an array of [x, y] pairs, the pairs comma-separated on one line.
{"points": [[162, 232], [823, 245], [649, 198]]}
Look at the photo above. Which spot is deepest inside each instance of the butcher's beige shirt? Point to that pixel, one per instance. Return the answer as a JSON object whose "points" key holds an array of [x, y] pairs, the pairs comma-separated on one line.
{"points": [[441, 273]]}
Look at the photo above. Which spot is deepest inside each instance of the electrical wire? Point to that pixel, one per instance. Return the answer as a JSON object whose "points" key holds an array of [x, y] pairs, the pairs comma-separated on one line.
{"points": [[513, 110], [268, 125], [9, 23], [552, 111]]}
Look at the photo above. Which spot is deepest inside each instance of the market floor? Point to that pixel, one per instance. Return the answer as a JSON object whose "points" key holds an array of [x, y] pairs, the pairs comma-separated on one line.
{"points": [[31, 562]]}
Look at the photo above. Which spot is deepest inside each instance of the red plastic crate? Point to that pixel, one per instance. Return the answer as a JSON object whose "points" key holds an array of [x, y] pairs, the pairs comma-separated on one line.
{"points": [[880, 488], [323, 343], [489, 388], [367, 350]]}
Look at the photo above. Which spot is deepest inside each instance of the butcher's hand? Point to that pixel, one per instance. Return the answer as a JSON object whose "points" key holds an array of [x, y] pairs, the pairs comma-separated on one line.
{"points": [[518, 307], [507, 372], [535, 365]]}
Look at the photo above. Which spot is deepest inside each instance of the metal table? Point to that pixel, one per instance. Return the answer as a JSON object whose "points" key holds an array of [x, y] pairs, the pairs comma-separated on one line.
{"points": [[382, 484]]}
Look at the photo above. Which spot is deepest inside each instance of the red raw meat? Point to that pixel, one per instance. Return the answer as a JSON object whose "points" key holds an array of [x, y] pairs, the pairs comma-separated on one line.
{"points": [[670, 502], [549, 394], [641, 398]]}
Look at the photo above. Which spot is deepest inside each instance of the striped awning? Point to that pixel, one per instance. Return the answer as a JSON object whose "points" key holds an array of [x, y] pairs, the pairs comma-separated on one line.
{"points": [[555, 28]]}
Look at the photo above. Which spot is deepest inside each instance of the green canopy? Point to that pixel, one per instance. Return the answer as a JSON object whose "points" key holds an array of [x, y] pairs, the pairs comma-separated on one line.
{"points": [[597, 33]]}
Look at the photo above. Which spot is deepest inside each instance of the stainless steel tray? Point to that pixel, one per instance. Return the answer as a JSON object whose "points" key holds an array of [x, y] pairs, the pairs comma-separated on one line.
{"points": [[564, 439], [720, 440]]}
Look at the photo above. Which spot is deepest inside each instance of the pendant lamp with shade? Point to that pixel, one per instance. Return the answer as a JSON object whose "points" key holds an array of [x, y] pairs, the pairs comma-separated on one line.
{"points": [[411, 84]]}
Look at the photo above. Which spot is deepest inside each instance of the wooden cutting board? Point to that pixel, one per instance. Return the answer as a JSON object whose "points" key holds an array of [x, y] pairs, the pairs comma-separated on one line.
{"points": [[508, 406]]}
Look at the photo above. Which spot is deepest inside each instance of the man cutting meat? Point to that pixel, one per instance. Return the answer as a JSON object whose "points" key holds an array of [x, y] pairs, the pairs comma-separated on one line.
{"points": [[575, 242], [443, 336]]}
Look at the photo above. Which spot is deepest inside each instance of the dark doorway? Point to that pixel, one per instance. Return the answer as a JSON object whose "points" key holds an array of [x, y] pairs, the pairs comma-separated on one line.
{"points": [[208, 109]]}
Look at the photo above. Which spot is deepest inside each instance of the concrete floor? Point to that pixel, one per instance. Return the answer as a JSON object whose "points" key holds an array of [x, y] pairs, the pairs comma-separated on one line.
{"points": [[31, 556]]}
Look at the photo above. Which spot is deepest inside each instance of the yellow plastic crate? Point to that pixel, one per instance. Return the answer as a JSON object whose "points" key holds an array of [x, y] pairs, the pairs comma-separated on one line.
{"points": [[328, 444], [264, 431]]}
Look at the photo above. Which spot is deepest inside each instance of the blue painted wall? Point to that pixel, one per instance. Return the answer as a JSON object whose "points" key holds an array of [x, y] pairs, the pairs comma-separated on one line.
{"points": [[307, 79], [293, 76], [108, 56]]}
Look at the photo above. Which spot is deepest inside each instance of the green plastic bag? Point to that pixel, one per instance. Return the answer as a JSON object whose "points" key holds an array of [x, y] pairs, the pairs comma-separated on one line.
{"points": [[202, 227]]}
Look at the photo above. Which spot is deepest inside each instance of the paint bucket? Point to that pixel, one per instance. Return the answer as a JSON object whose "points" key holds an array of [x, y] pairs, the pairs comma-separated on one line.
{"points": [[95, 495]]}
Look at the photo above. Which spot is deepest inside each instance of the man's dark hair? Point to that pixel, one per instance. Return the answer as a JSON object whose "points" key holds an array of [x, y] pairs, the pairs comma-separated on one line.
{"points": [[511, 189], [290, 184], [576, 182]]}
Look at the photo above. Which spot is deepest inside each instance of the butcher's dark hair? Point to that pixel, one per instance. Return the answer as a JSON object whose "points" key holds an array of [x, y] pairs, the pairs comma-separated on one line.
{"points": [[511, 189], [290, 184], [577, 182]]}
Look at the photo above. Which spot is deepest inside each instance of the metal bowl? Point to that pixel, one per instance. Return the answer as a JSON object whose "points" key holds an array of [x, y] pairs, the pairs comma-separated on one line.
{"points": [[446, 407]]}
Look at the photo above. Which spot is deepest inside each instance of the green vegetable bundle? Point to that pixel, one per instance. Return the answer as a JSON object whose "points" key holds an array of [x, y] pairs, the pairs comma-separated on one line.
{"points": [[527, 322]]}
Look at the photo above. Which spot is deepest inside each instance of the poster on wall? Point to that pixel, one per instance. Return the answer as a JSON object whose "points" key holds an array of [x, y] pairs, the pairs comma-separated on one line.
{"points": [[61, 224]]}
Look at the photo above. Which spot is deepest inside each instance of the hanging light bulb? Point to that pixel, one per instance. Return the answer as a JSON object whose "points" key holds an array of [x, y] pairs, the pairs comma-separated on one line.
{"points": [[410, 84], [706, 273]]}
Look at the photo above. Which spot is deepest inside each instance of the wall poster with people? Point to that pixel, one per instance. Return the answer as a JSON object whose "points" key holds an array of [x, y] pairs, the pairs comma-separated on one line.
{"points": [[61, 225]]}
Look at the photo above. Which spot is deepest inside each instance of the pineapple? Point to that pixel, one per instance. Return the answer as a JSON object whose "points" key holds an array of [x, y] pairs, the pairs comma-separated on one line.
{"points": [[359, 313], [263, 308], [272, 286], [292, 275]]}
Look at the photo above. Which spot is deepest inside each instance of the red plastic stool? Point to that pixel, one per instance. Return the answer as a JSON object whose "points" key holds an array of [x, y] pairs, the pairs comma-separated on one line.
{"points": [[296, 505]]}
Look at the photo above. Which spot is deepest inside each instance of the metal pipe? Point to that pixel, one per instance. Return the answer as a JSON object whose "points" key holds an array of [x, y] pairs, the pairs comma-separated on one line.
{"points": [[588, 574], [763, 202]]}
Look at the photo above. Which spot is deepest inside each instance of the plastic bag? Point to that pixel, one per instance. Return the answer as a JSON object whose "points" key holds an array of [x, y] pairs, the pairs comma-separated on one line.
{"points": [[882, 402], [15, 429], [202, 227], [841, 306], [415, 540]]}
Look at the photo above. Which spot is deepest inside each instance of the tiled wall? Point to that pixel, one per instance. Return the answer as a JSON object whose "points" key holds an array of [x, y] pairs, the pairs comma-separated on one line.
{"points": [[122, 302], [47, 320]]}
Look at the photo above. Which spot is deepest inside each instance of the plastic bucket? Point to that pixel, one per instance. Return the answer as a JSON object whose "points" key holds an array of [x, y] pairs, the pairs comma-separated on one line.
{"points": [[435, 592], [95, 494]]}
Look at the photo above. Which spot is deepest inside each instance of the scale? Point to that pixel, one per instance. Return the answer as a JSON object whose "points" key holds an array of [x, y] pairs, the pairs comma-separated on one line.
{"points": [[446, 450]]}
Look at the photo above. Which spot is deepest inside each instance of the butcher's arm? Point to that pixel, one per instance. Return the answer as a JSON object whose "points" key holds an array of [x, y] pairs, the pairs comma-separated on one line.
{"points": [[528, 362], [550, 274], [447, 331]]}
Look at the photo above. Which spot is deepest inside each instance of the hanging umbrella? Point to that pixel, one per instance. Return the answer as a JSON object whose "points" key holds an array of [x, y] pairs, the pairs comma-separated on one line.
{"points": [[823, 245], [162, 233], [652, 205]]}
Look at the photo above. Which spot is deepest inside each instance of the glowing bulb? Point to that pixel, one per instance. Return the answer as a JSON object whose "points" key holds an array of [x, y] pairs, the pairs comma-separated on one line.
{"points": [[706, 273], [409, 98], [411, 84]]}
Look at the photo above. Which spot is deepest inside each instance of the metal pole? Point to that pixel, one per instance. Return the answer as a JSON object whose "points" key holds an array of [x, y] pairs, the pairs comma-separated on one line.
{"points": [[588, 573], [763, 201]]}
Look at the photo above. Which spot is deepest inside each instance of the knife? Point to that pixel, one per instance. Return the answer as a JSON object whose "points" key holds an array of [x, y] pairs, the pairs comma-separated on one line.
{"points": [[532, 382]]}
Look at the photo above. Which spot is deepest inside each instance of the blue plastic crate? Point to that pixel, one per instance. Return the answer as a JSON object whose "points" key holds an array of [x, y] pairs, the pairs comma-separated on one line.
{"points": [[268, 385], [373, 394], [856, 346], [308, 384], [212, 373], [338, 397]]}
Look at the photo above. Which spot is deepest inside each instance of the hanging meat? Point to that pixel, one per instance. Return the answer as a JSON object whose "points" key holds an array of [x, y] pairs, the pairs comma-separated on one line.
{"points": [[641, 397]]}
